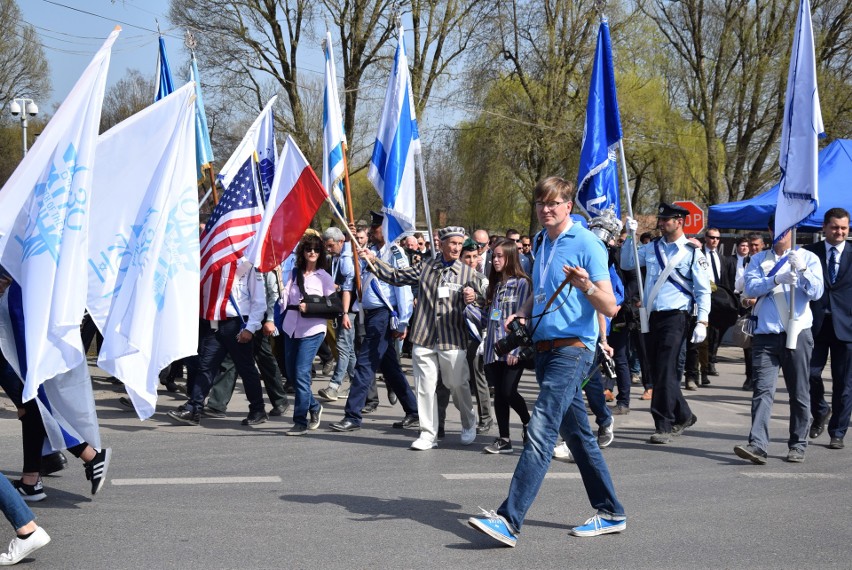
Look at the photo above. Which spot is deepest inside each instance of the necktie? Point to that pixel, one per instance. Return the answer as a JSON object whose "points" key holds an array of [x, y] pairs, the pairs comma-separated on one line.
{"points": [[715, 269], [832, 262]]}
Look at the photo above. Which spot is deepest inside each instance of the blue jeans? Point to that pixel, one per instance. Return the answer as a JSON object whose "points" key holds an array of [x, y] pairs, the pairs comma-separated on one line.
{"points": [[346, 353], [769, 353], [16, 510], [595, 395], [559, 409], [299, 356]]}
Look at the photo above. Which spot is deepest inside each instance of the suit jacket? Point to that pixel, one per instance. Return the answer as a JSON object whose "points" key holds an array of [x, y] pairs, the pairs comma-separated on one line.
{"points": [[837, 296], [727, 269]]}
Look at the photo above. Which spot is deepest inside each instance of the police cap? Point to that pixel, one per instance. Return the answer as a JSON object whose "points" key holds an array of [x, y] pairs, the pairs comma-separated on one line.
{"points": [[671, 211], [376, 218]]}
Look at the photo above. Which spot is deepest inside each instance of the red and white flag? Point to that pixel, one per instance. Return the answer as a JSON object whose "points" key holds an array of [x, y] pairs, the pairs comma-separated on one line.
{"points": [[296, 196]]}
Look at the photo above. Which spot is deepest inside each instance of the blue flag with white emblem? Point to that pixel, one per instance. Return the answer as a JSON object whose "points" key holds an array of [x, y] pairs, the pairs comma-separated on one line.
{"points": [[597, 178], [798, 197], [397, 142]]}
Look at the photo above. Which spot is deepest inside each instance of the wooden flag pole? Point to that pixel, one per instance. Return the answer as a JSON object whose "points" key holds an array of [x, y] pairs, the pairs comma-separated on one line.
{"points": [[346, 227]]}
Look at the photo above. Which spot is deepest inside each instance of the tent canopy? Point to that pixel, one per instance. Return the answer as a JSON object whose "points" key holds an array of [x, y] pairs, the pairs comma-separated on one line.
{"points": [[835, 177]]}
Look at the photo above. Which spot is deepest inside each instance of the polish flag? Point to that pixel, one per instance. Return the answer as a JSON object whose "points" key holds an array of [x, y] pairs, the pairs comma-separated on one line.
{"points": [[296, 195]]}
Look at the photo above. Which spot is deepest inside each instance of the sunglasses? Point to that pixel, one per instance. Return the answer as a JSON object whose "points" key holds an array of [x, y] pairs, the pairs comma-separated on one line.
{"points": [[313, 249]]}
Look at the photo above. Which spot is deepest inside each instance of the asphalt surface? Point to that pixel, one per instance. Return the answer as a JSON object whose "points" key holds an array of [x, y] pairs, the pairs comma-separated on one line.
{"points": [[227, 496]]}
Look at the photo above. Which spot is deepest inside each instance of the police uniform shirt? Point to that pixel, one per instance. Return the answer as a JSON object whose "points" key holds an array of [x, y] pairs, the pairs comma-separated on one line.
{"points": [[758, 283], [400, 298], [249, 294], [692, 271]]}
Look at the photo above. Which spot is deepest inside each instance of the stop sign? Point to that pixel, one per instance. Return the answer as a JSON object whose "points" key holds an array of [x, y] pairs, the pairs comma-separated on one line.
{"points": [[694, 222]]}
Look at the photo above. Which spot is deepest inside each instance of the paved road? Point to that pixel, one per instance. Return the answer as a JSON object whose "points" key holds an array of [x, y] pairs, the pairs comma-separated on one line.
{"points": [[227, 496]]}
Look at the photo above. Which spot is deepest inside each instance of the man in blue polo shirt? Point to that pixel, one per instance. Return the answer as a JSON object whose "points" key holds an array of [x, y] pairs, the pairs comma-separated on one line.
{"points": [[564, 334]]}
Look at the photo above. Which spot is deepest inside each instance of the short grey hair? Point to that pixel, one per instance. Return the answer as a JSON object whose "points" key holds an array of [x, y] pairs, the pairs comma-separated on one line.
{"points": [[333, 233]]}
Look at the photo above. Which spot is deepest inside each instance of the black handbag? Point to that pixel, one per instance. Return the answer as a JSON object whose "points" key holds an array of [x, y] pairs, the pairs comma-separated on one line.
{"points": [[318, 306]]}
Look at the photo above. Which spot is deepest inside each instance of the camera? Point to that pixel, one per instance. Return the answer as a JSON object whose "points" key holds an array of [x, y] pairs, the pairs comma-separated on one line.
{"points": [[607, 364], [517, 336]]}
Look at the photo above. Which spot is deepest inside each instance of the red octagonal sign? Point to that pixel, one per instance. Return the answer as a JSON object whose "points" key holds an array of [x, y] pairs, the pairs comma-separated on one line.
{"points": [[694, 223]]}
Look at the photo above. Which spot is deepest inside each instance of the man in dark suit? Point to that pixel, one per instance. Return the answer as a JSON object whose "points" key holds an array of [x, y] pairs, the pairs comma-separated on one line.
{"points": [[722, 273], [832, 330]]}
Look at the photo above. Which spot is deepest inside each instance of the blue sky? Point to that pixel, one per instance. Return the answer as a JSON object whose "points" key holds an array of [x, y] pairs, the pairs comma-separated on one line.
{"points": [[71, 37]]}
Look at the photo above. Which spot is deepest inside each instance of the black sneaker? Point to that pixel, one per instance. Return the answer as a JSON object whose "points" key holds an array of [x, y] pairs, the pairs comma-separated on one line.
{"points": [[441, 433], [484, 427], [96, 469], [750, 452], [213, 412], [53, 462], [280, 410], [185, 416], [30, 493], [315, 417], [409, 421], [255, 418], [500, 445], [369, 408], [678, 429]]}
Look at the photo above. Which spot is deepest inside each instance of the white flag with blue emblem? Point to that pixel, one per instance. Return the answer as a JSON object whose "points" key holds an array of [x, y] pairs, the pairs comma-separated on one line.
{"points": [[397, 142], [798, 197], [44, 219], [259, 138], [143, 252], [333, 137]]}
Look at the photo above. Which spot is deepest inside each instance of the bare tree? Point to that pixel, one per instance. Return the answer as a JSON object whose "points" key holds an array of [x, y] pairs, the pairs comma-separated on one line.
{"points": [[128, 96], [23, 66]]}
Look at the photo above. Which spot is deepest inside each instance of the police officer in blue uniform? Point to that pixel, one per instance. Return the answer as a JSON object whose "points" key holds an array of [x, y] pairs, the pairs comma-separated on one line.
{"points": [[387, 310], [677, 287]]}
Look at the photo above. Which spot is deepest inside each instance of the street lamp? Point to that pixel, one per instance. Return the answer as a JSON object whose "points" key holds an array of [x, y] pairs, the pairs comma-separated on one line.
{"points": [[24, 108]]}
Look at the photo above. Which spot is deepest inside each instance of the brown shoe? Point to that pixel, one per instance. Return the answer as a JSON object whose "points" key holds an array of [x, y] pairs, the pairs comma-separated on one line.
{"points": [[647, 394]]}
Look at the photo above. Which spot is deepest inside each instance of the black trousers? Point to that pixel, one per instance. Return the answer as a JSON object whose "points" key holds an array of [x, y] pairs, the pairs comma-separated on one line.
{"points": [[668, 331]]}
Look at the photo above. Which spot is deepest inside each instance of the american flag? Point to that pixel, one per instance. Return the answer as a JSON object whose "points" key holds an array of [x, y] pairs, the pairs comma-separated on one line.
{"points": [[228, 232]]}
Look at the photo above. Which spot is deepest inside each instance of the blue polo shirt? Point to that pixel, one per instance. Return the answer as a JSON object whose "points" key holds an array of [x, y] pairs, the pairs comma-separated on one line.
{"points": [[576, 317]]}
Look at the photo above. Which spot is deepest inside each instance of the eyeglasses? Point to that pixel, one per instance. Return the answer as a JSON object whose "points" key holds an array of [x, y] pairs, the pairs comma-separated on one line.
{"points": [[313, 249], [480, 244], [550, 205], [713, 237]]}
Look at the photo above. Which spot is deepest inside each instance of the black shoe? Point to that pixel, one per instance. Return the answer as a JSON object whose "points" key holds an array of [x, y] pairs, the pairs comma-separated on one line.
{"points": [[409, 421], [255, 418], [213, 412], [53, 462], [748, 385], [711, 370], [30, 493], [441, 432], [392, 397], [819, 425], [185, 416], [289, 388], [836, 443], [706, 381], [170, 386], [369, 408], [484, 427], [96, 469], [796, 455], [750, 452], [280, 410], [346, 424], [126, 402], [678, 429], [315, 417]]}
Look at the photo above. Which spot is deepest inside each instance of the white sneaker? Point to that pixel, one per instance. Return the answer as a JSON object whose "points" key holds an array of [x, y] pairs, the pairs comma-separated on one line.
{"points": [[423, 444], [562, 452], [468, 435], [20, 548]]}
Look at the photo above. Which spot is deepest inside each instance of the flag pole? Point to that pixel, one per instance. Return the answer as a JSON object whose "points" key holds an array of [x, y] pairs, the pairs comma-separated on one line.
{"points": [[348, 196], [643, 310], [346, 227], [792, 324], [426, 204]]}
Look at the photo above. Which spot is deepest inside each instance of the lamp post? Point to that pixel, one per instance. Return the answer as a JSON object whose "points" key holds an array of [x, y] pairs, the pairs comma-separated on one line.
{"points": [[25, 108]]}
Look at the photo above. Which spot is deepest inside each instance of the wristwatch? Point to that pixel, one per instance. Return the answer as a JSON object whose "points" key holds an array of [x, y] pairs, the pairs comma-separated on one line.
{"points": [[591, 290]]}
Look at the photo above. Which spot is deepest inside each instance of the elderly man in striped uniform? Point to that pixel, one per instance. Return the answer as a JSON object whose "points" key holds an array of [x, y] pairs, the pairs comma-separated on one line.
{"points": [[439, 334]]}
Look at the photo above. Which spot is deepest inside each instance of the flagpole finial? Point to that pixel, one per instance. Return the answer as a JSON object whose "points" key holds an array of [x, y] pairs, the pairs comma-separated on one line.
{"points": [[158, 26], [189, 41], [600, 8]]}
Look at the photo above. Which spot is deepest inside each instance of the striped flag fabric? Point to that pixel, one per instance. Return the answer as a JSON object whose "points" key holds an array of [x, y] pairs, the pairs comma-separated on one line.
{"points": [[260, 139], [333, 137], [392, 165], [296, 196], [228, 232]]}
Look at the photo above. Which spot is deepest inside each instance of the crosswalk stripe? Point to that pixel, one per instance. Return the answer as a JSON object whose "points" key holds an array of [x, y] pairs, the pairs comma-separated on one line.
{"points": [[195, 480], [480, 476], [755, 475]]}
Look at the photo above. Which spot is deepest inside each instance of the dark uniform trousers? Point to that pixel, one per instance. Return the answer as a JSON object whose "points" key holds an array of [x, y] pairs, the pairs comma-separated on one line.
{"points": [[223, 387], [213, 346], [667, 332], [377, 352], [841, 375]]}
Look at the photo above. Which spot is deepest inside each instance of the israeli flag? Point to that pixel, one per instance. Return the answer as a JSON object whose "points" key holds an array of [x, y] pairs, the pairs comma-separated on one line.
{"points": [[392, 166], [44, 222], [333, 137], [798, 197], [597, 178]]}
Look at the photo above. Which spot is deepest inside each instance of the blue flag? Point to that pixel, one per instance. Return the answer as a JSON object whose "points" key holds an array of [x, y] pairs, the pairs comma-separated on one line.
{"points": [[397, 142], [203, 149], [798, 197], [165, 84], [597, 177]]}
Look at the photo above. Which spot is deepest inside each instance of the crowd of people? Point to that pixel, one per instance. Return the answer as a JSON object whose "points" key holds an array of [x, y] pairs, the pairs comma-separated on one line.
{"points": [[589, 306]]}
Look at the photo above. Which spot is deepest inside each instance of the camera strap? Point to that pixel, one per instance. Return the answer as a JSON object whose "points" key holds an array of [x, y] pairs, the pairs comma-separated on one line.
{"points": [[549, 303]]}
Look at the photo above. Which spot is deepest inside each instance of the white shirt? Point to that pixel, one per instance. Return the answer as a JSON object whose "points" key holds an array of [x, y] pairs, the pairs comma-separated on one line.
{"points": [[839, 247], [738, 276]]}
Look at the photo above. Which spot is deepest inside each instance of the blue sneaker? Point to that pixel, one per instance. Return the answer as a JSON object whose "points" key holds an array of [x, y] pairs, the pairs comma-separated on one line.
{"points": [[494, 526], [598, 525]]}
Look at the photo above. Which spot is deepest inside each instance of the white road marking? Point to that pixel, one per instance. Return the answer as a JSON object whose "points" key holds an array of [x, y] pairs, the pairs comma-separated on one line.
{"points": [[195, 480], [480, 476], [754, 475]]}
